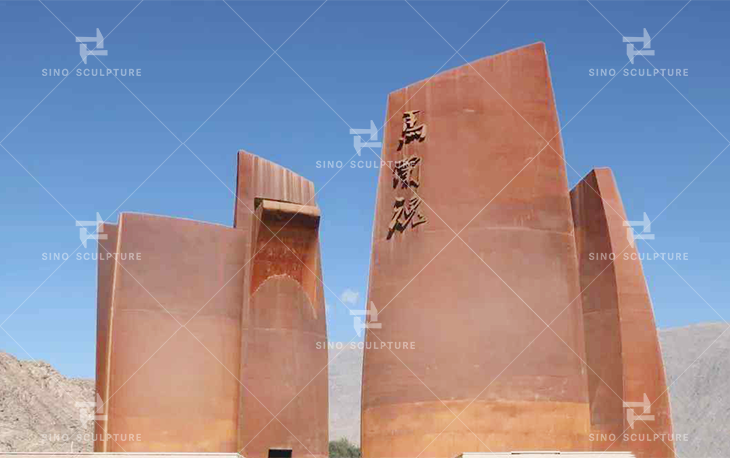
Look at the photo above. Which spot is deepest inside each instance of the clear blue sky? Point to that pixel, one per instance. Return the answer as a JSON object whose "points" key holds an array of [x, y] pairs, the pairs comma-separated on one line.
{"points": [[90, 143]]}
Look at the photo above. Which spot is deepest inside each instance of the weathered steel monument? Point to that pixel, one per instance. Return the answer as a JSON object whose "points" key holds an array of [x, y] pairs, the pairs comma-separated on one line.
{"points": [[622, 345], [478, 247], [529, 323], [214, 333]]}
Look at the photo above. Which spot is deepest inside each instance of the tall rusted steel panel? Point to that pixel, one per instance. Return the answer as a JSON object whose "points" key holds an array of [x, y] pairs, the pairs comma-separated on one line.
{"points": [[259, 178], [257, 341], [106, 251], [284, 358], [622, 345], [464, 145], [176, 388]]}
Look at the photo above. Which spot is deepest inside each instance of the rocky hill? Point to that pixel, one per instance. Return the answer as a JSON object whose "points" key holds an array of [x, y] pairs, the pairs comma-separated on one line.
{"points": [[38, 409], [700, 396], [345, 377]]}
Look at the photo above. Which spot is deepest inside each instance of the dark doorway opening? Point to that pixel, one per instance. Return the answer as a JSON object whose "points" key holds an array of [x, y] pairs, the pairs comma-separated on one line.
{"points": [[279, 453]]}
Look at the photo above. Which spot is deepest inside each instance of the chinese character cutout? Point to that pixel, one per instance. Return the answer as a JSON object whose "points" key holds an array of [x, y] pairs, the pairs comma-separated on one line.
{"points": [[405, 213], [411, 130], [407, 173]]}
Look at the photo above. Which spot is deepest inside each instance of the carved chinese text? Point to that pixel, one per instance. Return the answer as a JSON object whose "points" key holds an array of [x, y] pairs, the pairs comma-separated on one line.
{"points": [[411, 129], [405, 213]]}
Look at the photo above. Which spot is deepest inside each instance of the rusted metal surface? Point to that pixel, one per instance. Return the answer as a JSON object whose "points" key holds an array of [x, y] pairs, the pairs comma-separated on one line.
{"points": [[471, 330], [284, 325], [117, 455], [259, 317], [176, 389], [622, 346], [105, 266], [259, 178], [548, 454]]}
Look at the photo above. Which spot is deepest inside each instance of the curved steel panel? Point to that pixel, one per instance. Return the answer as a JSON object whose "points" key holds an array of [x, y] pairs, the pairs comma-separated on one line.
{"points": [[158, 381], [284, 244], [163, 385], [623, 349], [107, 249], [283, 373], [471, 330]]}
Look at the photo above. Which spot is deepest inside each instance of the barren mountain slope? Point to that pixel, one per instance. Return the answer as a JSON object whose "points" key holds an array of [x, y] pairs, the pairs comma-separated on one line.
{"points": [[37, 408], [700, 392]]}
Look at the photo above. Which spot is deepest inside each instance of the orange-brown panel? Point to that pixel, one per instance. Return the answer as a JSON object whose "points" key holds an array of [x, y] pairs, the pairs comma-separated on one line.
{"points": [[285, 336], [562, 426], [259, 178], [280, 357], [107, 249], [285, 373], [481, 170], [622, 344], [175, 388]]}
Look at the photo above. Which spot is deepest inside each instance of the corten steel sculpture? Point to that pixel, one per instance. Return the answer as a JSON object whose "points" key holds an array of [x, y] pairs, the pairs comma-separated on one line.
{"points": [[251, 299], [622, 345], [184, 399], [467, 161], [284, 314]]}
